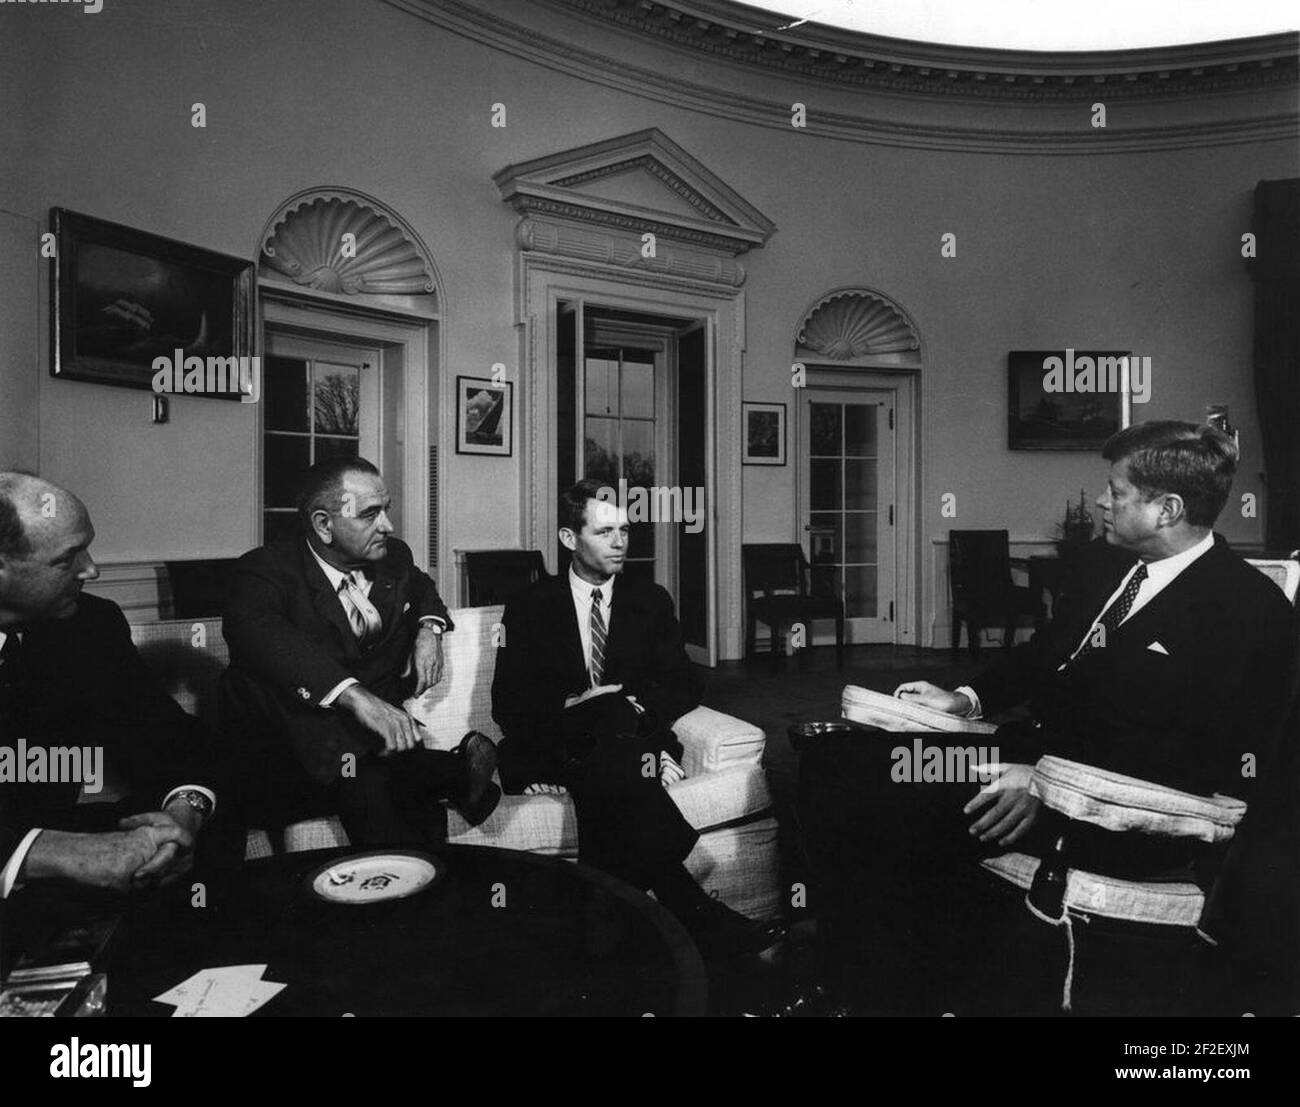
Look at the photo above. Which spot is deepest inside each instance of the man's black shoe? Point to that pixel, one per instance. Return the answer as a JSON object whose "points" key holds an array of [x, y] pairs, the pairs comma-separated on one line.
{"points": [[478, 796], [722, 934]]}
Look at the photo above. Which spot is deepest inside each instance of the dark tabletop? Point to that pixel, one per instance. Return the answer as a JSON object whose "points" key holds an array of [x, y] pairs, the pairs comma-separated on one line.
{"points": [[501, 933]]}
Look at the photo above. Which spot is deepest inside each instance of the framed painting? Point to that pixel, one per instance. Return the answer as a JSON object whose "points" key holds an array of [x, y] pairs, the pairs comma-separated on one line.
{"points": [[484, 416], [1063, 399], [122, 297], [764, 429]]}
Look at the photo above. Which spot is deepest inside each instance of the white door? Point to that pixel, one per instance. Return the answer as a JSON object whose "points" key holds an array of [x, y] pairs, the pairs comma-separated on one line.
{"points": [[848, 480], [319, 400]]}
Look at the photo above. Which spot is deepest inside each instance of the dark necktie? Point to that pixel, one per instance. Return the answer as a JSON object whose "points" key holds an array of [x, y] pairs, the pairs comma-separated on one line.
{"points": [[1115, 614], [10, 654], [597, 639]]}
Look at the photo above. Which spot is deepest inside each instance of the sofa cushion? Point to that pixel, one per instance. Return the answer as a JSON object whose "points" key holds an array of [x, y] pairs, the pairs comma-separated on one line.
{"points": [[548, 824], [462, 700]]}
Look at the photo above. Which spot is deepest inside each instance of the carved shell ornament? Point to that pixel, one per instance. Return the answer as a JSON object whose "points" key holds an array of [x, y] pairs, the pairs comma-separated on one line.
{"points": [[312, 247], [857, 325]]}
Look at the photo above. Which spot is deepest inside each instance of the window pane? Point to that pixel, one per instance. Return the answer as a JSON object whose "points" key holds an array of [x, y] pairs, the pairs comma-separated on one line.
{"points": [[860, 483], [602, 383], [284, 391], [638, 454], [859, 536], [825, 429], [337, 398], [600, 446], [860, 592], [826, 544], [860, 429], [286, 462], [824, 484], [279, 524], [638, 390]]}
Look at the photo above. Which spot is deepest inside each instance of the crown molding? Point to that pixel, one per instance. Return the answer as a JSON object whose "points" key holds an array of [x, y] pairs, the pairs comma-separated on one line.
{"points": [[747, 36], [1272, 60]]}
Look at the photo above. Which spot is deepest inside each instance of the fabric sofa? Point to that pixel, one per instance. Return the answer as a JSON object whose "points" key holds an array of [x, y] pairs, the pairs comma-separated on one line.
{"points": [[725, 794]]}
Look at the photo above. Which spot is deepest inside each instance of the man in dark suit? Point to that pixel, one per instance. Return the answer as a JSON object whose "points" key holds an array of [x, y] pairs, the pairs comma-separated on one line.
{"points": [[1167, 661], [328, 635], [590, 677], [71, 680]]}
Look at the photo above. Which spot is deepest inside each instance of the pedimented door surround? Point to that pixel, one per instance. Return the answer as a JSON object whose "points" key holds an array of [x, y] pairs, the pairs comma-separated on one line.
{"points": [[637, 223]]}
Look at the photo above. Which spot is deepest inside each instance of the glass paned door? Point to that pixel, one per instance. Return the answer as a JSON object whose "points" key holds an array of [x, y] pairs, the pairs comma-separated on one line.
{"points": [[319, 401], [848, 475], [620, 435]]}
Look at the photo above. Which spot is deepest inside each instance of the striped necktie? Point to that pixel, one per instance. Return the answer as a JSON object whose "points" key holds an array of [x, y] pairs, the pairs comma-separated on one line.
{"points": [[362, 614], [597, 639], [1114, 615]]}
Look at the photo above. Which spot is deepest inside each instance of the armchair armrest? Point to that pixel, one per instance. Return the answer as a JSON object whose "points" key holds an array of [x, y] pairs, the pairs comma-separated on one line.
{"points": [[711, 741], [1112, 801]]}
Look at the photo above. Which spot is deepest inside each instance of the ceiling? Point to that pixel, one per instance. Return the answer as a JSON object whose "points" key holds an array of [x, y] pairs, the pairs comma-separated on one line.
{"points": [[1044, 24]]}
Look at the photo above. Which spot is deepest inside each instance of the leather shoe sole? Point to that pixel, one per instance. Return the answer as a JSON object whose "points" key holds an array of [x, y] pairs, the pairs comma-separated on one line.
{"points": [[480, 794]]}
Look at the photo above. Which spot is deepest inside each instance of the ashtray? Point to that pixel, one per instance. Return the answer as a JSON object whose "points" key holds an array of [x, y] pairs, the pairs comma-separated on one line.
{"points": [[799, 733], [375, 877]]}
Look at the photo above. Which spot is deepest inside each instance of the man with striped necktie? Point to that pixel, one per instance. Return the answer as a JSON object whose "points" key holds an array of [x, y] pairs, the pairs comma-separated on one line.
{"points": [[328, 634], [590, 678]]}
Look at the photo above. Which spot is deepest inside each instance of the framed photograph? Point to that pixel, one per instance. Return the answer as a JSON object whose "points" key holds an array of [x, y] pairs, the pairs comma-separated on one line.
{"points": [[1063, 399], [764, 434], [484, 416], [121, 298]]}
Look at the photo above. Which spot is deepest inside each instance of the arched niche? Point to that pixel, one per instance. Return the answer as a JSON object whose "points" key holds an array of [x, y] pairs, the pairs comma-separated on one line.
{"points": [[858, 327], [306, 243]]}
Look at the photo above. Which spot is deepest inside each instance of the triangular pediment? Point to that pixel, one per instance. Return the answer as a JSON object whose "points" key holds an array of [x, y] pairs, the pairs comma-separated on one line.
{"points": [[638, 180]]}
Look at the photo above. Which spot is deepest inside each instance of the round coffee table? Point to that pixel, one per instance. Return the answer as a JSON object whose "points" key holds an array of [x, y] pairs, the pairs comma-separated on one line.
{"points": [[502, 933]]}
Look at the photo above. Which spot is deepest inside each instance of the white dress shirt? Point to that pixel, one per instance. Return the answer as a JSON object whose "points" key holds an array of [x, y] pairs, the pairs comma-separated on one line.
{"points": [[9, 874], [1160, 575]]}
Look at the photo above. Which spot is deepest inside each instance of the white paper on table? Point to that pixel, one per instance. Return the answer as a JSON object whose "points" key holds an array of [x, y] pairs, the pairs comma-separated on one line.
{"points": [[230, 991]]}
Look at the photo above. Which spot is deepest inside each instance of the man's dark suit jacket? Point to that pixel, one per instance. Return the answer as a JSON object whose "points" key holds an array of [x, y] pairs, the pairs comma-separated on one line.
{"points": [[541, 663], [289, 635], [1184, 715], [80, 682]]}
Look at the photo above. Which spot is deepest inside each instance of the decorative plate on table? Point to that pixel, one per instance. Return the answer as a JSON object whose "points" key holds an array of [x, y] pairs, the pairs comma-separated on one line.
{"points": [[375, 876]]}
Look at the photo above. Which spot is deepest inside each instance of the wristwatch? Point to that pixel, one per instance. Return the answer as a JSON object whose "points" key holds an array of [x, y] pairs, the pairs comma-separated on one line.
{"points": [[433, 623], [196, 800]]}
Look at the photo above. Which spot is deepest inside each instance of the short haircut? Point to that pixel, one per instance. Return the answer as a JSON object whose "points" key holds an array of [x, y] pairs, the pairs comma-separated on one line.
{"points": [[1195, 463], [14, 541], [573, 502], [322, 487]]}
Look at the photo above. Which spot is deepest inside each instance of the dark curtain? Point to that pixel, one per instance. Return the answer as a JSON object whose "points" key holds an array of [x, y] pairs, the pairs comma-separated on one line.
{"points": [[1276, 272]]}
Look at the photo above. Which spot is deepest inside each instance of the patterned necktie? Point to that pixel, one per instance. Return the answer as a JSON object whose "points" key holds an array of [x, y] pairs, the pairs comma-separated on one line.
{"points": [[362, 614], [1114, 615], [597, 639]]}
